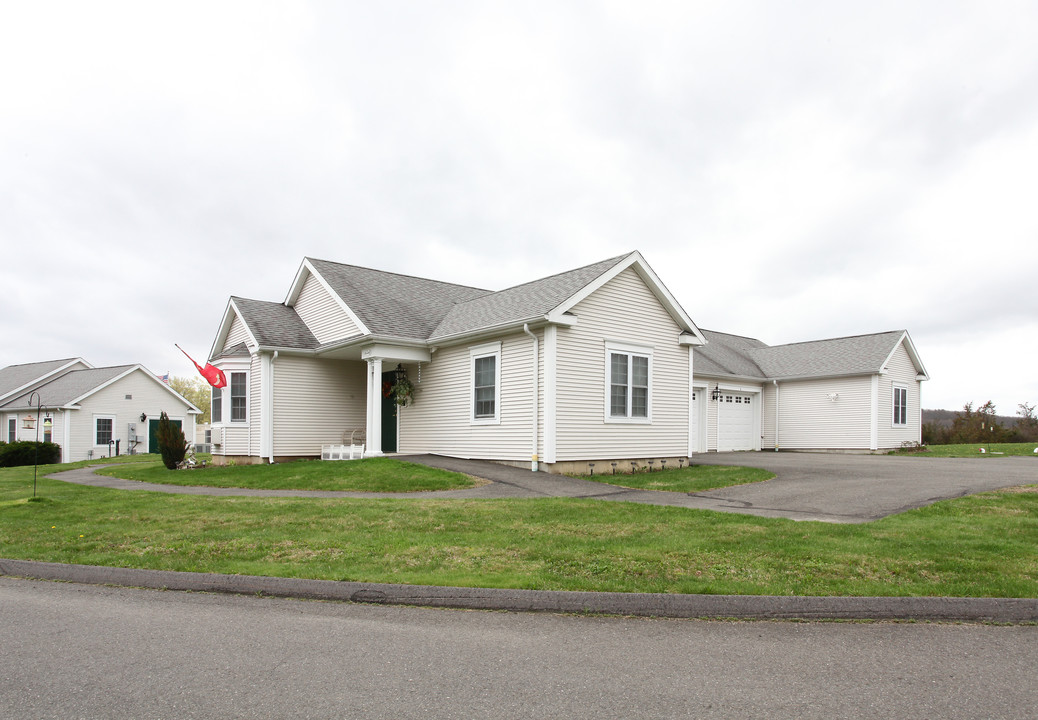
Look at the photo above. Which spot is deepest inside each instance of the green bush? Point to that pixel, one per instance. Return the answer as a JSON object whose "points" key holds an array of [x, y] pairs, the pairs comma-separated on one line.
{"points": [[28, 453], [172, 443]]}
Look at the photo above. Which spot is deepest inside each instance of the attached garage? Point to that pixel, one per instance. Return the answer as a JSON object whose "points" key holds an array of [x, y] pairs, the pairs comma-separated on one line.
{"points": [[737, 421]]}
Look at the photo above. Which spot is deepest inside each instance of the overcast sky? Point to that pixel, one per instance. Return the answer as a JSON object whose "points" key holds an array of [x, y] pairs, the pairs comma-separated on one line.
{"points": [[791, 170]]}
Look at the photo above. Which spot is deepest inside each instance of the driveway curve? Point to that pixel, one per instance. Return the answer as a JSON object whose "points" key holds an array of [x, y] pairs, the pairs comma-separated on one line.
{"points": [[807, 486]]}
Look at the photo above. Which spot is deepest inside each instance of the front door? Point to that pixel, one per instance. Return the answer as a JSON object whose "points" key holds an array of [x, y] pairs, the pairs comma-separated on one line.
{"points": [[153, 433], [388, 414]]}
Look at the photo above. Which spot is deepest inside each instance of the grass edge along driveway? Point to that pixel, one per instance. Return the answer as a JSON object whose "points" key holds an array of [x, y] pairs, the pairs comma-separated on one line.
{"points": [[980, 545]]}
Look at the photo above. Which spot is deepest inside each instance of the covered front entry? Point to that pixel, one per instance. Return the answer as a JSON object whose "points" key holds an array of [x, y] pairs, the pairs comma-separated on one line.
{"points": [[389, 408], [736, 421]]}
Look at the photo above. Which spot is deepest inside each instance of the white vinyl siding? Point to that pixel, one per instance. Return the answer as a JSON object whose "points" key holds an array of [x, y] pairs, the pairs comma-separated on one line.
{"points": [[322, 313], [623, 311], [810, 420], [440, 419], [901, 372], [236, 334], [316, 402]]}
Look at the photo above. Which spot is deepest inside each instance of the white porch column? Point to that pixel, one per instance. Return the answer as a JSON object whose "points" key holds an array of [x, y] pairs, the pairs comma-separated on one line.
{"points": [[374, 419]]}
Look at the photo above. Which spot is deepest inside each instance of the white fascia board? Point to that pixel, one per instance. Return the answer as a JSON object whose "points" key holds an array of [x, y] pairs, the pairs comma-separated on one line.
{"points": [[400, 353], [495, 330], [297, 287], [253, 343], [305, 268], [651, 279], [192, 408], [229, 313], [913, 354]]}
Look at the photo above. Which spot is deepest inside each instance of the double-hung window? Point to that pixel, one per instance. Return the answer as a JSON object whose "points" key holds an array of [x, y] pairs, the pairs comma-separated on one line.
{"points": [[628, 392], [103, 427], [485, 363], [217, 414], [239, 397], [900, 405]]}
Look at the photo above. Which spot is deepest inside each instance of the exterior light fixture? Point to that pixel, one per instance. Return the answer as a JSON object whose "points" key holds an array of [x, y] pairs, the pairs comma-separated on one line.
{"points": [[715, 394]]}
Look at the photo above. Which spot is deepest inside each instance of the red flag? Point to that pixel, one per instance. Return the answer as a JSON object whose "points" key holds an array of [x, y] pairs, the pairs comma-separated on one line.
{"points": [[213, 375]]}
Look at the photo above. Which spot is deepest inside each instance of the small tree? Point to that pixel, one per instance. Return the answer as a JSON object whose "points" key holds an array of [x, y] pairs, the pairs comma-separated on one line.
{"points": [[980, 425], [172, 443], [1026, 429]]}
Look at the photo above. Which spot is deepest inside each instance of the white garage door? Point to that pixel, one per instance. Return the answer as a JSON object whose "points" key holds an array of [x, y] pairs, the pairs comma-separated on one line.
{"points": [[735, 422]]}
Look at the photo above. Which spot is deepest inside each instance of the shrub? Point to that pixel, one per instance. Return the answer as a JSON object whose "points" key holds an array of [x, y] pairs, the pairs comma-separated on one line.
{"points": [[28, 453], [172, 444]]}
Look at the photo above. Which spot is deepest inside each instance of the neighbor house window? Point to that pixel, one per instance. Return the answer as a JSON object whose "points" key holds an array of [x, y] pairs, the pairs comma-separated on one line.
{"points": [[12, 430], [486, 383], [900, 405], [239, 399], [103, 430], [217, 413], [628, 372]]}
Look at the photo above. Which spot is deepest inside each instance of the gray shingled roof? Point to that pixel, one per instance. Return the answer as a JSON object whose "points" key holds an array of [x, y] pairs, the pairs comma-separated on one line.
{"points": [[66, 388], [394, 305], [521, 302], [734, 355], [239, 350], [861, 354], [726, 354], [13, 377], [275, 324]]}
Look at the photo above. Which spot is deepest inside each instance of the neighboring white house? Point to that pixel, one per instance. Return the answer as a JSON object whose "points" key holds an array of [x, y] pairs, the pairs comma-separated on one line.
{"points": [[89, 411], [590, 365]]}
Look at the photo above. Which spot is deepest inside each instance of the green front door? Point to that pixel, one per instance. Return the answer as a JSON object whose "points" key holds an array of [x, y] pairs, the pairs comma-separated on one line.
{"points": [[153, 433], [388, 415]]}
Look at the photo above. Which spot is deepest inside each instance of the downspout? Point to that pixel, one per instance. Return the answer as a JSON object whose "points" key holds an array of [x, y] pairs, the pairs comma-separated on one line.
{"points": [[775, 382], [536, 390], [272, 415]]}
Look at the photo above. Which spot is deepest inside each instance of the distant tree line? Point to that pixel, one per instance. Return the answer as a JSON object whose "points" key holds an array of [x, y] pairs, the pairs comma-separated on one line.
{"points": [[980, 425]]}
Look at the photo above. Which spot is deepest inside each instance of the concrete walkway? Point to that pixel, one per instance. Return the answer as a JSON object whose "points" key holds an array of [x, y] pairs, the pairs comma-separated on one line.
{"points": [[808, 486]]}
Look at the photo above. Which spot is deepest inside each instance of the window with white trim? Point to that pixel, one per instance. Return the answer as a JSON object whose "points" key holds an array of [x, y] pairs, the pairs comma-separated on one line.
{"points": [[628, 383], [217, 411], [239, 397], [12, 430], [485, 381], [900, 405], [104, 426]]}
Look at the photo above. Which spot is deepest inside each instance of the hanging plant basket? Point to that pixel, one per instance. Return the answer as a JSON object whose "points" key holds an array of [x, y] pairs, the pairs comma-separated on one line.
{"points": [[402, 391]]}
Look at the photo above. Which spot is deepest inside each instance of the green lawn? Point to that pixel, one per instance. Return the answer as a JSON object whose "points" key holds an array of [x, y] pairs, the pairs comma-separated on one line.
{"points": [[982, 545], [973, 450], [368, 475], [696, 478]]}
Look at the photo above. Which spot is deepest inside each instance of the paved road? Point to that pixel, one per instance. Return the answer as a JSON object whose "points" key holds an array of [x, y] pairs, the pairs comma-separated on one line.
{"points": [[808, 486], [100, 652]]}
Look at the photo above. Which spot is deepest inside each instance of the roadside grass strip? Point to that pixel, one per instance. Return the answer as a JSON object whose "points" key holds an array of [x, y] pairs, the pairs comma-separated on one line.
{"points": [[980, 546]]}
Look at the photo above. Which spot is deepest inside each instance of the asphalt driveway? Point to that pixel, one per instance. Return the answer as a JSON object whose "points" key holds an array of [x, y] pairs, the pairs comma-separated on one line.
{"points": [[807, 486], [860, 488]]}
